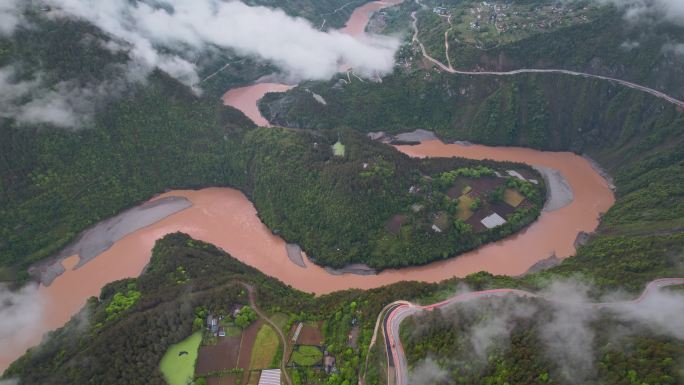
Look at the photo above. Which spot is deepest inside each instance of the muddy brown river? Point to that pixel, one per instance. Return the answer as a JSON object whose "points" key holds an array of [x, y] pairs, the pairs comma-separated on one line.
{"points": [[226, 218]]}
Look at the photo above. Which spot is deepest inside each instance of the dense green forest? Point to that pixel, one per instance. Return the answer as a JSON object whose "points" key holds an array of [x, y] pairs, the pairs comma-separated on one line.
{"points": [[337, 207]]}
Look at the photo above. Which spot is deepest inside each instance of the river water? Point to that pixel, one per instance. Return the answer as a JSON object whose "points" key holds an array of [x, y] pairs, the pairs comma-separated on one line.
{"points": [[226, 218]]}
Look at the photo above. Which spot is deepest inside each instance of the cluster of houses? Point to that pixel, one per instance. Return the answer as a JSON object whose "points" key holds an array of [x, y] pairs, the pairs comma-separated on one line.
{"points": [[214, 322]]}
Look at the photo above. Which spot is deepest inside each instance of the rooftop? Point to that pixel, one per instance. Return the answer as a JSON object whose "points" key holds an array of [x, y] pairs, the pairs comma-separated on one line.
{"points": [[270, 377], [492, 221]]}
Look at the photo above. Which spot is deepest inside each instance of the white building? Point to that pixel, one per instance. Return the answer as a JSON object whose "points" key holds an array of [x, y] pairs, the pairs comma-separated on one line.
{"points": [[492, 221], [270, 377]]}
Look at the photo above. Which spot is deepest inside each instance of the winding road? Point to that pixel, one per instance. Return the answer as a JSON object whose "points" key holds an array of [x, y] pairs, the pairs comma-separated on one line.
{"points": [[449, 69], [390, 318]]}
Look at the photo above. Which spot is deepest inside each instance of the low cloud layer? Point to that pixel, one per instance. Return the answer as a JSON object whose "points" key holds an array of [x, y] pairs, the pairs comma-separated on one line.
{"points": [[168, 33], [20, 319], [10, 16], [650, 10], [65, 104], [564, 324]]}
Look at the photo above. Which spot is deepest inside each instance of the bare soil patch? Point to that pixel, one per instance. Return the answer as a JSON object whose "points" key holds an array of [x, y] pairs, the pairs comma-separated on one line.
{"points": [[485, 184], [222, 356], [310, 335], [248, 337], [395, 223]]}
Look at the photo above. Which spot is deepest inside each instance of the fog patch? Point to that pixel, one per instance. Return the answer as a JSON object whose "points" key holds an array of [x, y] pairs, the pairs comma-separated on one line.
{"points": [[568, 338], [650, 11], [66, 104], [20, 316], [630, 45], [427, 372], [663, 312], [495, 331], [565, 324], [10, 16], [675, 48]]}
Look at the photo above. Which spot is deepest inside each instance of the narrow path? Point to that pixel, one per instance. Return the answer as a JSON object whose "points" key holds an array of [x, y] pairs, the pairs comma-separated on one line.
{"points": [[252, 302], [446, 44], [396, 312], [449, 69]]}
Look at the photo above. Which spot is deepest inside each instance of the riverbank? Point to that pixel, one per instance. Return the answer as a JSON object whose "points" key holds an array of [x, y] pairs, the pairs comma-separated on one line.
{"points": [[100, 237], [558, 191]]}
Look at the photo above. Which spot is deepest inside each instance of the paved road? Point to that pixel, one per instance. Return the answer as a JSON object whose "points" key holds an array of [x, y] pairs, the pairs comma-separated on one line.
{"points": [[395, 313], [446, 68]]}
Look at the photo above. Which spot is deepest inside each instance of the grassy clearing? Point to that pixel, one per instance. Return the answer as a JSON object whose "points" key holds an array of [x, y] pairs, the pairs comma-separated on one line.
{"points": [[280, 319], [265, 348], [178, 369], [305, 355], [442, 221], [232, 331], [464, 211], [338, 149], [513, 197], [253, 378]]}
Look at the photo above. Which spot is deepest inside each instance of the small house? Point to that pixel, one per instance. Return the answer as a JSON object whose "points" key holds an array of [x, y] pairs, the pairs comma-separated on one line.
{"points": [[329, 363], [440, 11]]}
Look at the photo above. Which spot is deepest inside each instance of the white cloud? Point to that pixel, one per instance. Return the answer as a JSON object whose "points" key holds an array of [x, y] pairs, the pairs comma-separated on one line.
{"points": [[20, 317], [65, 104], [649, 10], [663, 311], [676, 48], [565, 322], [10, 16], [169, 34], [427, 372]]}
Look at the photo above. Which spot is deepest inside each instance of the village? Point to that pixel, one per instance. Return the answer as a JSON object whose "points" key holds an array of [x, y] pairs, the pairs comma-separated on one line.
{"points": [[489, 23], [468, 200], [238, 347]]}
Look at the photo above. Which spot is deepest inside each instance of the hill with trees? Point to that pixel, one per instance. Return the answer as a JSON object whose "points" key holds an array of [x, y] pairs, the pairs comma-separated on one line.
{"points": [[126, 346]]}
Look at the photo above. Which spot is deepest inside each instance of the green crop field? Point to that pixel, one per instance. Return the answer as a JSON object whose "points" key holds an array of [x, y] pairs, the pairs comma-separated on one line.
{"points": [[280, 319], [338, 149], [464, 211], [265, 348], [513, 197], [178, 369], [306, 355]]}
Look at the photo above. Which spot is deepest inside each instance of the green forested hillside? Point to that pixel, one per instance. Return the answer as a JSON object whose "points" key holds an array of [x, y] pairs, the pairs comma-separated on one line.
{"points": [[637, 137]]}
